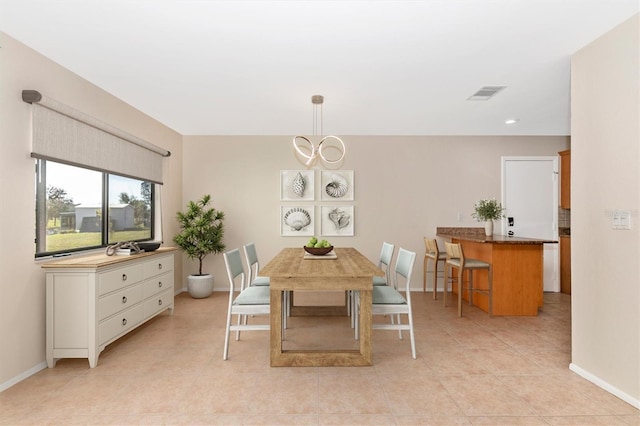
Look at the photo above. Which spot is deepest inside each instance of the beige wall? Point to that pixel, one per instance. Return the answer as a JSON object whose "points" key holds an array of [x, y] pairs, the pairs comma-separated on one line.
{"points": [[404, 187], [22, 291], [605, 176]]}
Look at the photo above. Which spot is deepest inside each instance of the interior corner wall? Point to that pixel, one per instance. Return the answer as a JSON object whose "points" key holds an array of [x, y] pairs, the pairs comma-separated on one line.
{"points": [[22, 287], [605, 169], [405, 187]]}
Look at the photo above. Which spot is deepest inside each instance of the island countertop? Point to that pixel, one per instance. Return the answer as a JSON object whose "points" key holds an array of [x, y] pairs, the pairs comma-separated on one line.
{"points": [[477, 235]]}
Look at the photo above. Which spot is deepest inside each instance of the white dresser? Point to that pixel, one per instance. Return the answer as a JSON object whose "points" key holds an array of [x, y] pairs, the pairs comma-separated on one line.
{"points": [[94, 300]]}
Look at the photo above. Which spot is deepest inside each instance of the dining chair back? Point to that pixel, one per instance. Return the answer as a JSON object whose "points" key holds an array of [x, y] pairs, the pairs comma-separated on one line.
{"points": [[251, 255], [388, 300], [251, 300], [457, 260], [432, 253], [384, 263]]}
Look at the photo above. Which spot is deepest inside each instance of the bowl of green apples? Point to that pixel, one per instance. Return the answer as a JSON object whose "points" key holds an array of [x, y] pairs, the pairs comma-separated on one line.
{"points": [[318, 247]]}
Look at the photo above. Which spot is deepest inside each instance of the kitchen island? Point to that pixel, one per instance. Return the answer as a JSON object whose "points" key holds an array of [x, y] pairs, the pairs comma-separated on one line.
{"points": [[517, 269]]}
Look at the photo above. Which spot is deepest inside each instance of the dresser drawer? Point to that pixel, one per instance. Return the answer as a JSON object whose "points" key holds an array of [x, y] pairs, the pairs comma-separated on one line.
{"points": [[159, 265], [116, 302], [125, 320], [119, 278], [157, 284], [158, 303]]}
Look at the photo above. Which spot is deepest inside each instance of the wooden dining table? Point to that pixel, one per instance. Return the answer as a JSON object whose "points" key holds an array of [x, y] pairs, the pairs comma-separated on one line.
{"points": [[292, 269]]}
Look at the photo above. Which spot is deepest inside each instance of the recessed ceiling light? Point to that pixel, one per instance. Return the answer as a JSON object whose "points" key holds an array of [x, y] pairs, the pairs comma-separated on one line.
{"points": [[511, 121]]}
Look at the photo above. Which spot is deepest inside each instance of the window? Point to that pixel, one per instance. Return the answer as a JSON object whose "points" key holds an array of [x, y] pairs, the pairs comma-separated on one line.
{"points": [[71, 203]]}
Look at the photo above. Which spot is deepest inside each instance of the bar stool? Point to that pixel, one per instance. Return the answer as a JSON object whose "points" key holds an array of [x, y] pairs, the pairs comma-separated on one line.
{"points": [[456, 259], [432, 252]]}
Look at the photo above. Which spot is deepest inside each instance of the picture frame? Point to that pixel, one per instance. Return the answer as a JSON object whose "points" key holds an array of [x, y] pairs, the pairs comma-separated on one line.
{"points": [[336, 185], [296, 221], [337, 220], [297, 185]]}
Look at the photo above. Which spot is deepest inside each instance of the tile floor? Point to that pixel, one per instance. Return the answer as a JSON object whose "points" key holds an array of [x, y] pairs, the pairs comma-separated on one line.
{"points": [[472, 370]]}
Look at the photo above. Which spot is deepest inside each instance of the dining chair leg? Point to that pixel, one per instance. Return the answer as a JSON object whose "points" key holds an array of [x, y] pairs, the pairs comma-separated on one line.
{"points": [[225, 354], [470, 287]]}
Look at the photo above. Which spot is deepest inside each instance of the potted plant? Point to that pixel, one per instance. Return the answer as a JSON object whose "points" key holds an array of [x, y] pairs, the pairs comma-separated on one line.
{"points": [[201, 234], [487, 211]]}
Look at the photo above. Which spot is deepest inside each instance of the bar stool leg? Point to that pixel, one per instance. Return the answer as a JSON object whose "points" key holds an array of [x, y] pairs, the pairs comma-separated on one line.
{"points": [[470, 287], [425, 263], [490, 290], [435, 279], [445, 290], [460, 274]]}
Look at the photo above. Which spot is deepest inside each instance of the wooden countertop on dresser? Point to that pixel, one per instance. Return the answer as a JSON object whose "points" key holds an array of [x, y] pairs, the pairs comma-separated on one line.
{"points": [[101, 259]]}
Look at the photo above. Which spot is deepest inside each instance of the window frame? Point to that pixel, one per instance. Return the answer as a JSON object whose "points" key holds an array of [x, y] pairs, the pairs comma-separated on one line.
{"points": [[41, 210]]}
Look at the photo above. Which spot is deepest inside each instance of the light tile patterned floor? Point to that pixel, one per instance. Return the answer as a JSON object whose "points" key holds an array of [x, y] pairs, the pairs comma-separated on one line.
{"points": [[471, 370]]}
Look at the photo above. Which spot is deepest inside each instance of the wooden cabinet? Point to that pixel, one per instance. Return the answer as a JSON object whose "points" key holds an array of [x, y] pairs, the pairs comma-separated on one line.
{"points": [[565, 264], [565, 179], [94, 300]]}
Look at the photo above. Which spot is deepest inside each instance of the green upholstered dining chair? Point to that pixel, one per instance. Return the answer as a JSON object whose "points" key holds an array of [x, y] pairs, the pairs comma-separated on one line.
{"points": [[252, 300], [254, 279], [253, 263], [388, 300], [384, 263]]}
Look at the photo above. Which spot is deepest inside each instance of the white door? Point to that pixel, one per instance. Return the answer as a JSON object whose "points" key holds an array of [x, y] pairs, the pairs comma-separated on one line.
{"points": [[530, 196]]}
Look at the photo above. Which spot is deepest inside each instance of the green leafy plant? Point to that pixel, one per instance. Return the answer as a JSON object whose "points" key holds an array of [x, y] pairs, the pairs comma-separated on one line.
{"points": [[202, 230], [489, 209]]}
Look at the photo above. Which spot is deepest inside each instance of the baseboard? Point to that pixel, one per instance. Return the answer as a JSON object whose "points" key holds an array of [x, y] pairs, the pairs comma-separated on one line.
{"points": [[606, 386], [24, 375]]}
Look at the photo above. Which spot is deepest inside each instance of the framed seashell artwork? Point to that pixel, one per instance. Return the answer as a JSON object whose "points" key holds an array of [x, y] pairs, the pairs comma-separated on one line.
{"points": [[336, 185], [297, 221], [297, 185], [337, 221]]}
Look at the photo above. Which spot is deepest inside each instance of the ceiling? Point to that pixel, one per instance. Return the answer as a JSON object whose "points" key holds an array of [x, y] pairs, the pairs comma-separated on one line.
{"points": [[384, 67]]}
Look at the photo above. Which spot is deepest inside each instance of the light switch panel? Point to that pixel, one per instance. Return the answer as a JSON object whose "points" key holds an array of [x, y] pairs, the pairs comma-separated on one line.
{"points": [[621, 219]]}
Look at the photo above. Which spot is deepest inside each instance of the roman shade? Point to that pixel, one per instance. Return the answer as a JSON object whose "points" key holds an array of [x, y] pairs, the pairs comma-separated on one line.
{"points": [[63, 134]]}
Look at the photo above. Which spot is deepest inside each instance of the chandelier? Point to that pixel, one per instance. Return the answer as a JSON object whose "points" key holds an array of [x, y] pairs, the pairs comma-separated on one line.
{"points": [[330, 149]]}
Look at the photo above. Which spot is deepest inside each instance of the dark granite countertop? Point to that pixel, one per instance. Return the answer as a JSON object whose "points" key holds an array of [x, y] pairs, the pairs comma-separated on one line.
{"points": [[478, 235]]}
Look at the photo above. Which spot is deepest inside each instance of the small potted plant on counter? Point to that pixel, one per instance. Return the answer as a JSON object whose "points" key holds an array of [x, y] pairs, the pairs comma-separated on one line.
{"points": [[487, 211], [201, 234]]}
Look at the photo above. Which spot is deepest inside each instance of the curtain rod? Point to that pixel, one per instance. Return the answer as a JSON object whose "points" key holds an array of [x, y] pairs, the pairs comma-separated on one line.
{"points": [[33, 96]]}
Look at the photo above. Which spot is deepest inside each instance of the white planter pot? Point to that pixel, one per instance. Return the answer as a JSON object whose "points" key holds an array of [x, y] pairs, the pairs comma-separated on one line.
{"points": [[488, 228], [200, 286]]}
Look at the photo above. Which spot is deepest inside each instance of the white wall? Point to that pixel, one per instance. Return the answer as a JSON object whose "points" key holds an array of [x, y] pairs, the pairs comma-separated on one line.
{"points": [[22, 289], [605, 169], [405, 187]]}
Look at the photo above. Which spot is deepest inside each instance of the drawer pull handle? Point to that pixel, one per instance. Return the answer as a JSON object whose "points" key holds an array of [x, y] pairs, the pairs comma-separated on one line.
{"points": [[124, 277], [124, 321], [124, 299], [159, 302], [159, 283], [159, 265]]}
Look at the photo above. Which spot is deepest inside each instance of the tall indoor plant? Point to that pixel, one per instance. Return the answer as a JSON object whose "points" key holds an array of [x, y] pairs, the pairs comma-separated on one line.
{"points": [[202, 232], [487, 211]]}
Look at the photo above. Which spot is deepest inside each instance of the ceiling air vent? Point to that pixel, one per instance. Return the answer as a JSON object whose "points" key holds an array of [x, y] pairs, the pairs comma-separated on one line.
{"points": [[485, 93]]}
